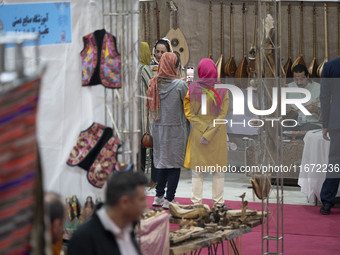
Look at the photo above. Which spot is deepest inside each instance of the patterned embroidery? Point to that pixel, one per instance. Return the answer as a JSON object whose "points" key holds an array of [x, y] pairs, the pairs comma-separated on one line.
{"points": [[95, 152], [89, 58], [104, 164], [105, 55], [86, 141], [110, 63]]}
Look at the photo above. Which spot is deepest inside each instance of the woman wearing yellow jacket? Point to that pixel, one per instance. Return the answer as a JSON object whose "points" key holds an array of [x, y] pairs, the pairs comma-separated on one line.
{"points": [[207, 145]]}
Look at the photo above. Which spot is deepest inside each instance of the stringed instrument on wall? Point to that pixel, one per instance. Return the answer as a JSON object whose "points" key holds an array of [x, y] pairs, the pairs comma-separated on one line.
{"points": [[157, 22], [252, 52], [230, 66], [176, 36], [313, 66], [299, 59], [210, 31], [287, 68], [338, 29], [148, 24], [320, 68], [219, 63], [241, 71], [144, 20]]}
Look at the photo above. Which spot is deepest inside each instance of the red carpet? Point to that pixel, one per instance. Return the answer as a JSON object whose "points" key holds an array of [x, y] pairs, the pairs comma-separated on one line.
{"points": [[306, 231]]}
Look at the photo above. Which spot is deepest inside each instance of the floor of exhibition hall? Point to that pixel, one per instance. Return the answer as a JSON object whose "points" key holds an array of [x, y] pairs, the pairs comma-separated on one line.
{"points": [[306, 231]]}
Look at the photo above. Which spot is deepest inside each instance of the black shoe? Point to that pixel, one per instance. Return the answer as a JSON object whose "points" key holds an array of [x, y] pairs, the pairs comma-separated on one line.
{"points": [[325, 209]]}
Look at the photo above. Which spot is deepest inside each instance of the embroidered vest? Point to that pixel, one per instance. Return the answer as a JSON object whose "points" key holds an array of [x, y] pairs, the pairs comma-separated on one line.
{"points": [[95, 152], [88, 145], [100, 60], [104, 164]]}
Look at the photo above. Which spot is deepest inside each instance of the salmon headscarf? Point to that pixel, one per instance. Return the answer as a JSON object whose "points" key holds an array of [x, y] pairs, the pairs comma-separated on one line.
{"points": [[145, 54], [167, 70], [207, 72]]}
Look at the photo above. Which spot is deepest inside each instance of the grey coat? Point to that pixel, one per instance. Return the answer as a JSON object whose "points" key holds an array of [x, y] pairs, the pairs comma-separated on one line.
{"points": [[170, 133]]}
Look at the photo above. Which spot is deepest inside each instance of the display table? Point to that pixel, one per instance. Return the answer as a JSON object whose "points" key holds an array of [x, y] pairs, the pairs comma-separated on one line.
{"points": [[210, 241], [315, 151]]}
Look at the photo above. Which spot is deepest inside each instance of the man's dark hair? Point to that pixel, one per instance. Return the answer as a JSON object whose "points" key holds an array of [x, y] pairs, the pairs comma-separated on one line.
{"points": [[163, 42], [122, 184], [300, 68], [54, 206]]}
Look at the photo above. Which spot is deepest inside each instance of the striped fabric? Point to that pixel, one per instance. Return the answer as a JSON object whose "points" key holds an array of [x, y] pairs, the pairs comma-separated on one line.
{"points": [[145, 77], [18, 165]]}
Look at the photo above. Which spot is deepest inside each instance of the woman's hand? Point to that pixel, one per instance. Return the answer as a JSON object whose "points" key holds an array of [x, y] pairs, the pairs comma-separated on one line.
{"points": [[325, 134]]}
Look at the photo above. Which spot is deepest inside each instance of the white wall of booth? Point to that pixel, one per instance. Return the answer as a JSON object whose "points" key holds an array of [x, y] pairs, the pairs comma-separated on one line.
{"points": [[65, 107]]}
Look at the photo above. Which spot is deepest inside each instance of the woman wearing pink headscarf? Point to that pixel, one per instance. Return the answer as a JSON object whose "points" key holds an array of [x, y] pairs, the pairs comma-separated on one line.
{"points": [[207, 146]]}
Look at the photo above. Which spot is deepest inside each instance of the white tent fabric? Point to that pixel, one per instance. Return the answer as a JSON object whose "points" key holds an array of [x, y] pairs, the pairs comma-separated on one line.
{"points": [[65, 107]]}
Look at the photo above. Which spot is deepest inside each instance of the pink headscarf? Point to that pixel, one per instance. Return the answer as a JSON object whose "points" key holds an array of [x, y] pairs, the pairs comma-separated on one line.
{"points": [[207, 72]]}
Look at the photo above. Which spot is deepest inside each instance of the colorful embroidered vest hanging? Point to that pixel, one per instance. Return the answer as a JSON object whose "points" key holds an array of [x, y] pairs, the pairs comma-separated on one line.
{"points": [[88, 145], [96, 152], [100, 60], [104, 164]]}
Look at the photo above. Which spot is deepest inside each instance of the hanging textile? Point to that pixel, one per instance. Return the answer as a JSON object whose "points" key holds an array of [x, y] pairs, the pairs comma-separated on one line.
{"points": [[100, 60], [96, 152], [88, 145], [18, 166]]}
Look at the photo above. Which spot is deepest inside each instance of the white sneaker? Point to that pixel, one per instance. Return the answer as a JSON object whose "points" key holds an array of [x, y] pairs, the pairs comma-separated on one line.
{"points": [[158, 201], [166, 203]]}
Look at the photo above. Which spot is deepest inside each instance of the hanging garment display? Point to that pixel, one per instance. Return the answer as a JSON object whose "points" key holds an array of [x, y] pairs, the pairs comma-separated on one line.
{"points": [[95, 151], [18, 164], [100, 60], [88, 145], [104, 163], [22, 227]]}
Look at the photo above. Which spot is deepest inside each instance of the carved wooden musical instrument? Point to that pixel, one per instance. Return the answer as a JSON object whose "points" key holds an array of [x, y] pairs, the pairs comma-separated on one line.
{"points": [[230, 66], [288, 66], [176, 36], [157, 21], [210, 31], [252, 52], [299, 59], [144, 21], [313, 66], [241, 71], [219, 63], [339, 29], [148, 15], [320, 68]]}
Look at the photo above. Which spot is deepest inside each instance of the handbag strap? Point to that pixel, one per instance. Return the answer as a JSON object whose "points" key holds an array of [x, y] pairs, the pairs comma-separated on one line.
{"points": [[147, 121]]}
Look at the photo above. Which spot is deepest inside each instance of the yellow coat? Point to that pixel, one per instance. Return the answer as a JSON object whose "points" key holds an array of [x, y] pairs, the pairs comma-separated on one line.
{"points": [[200, 156]]}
